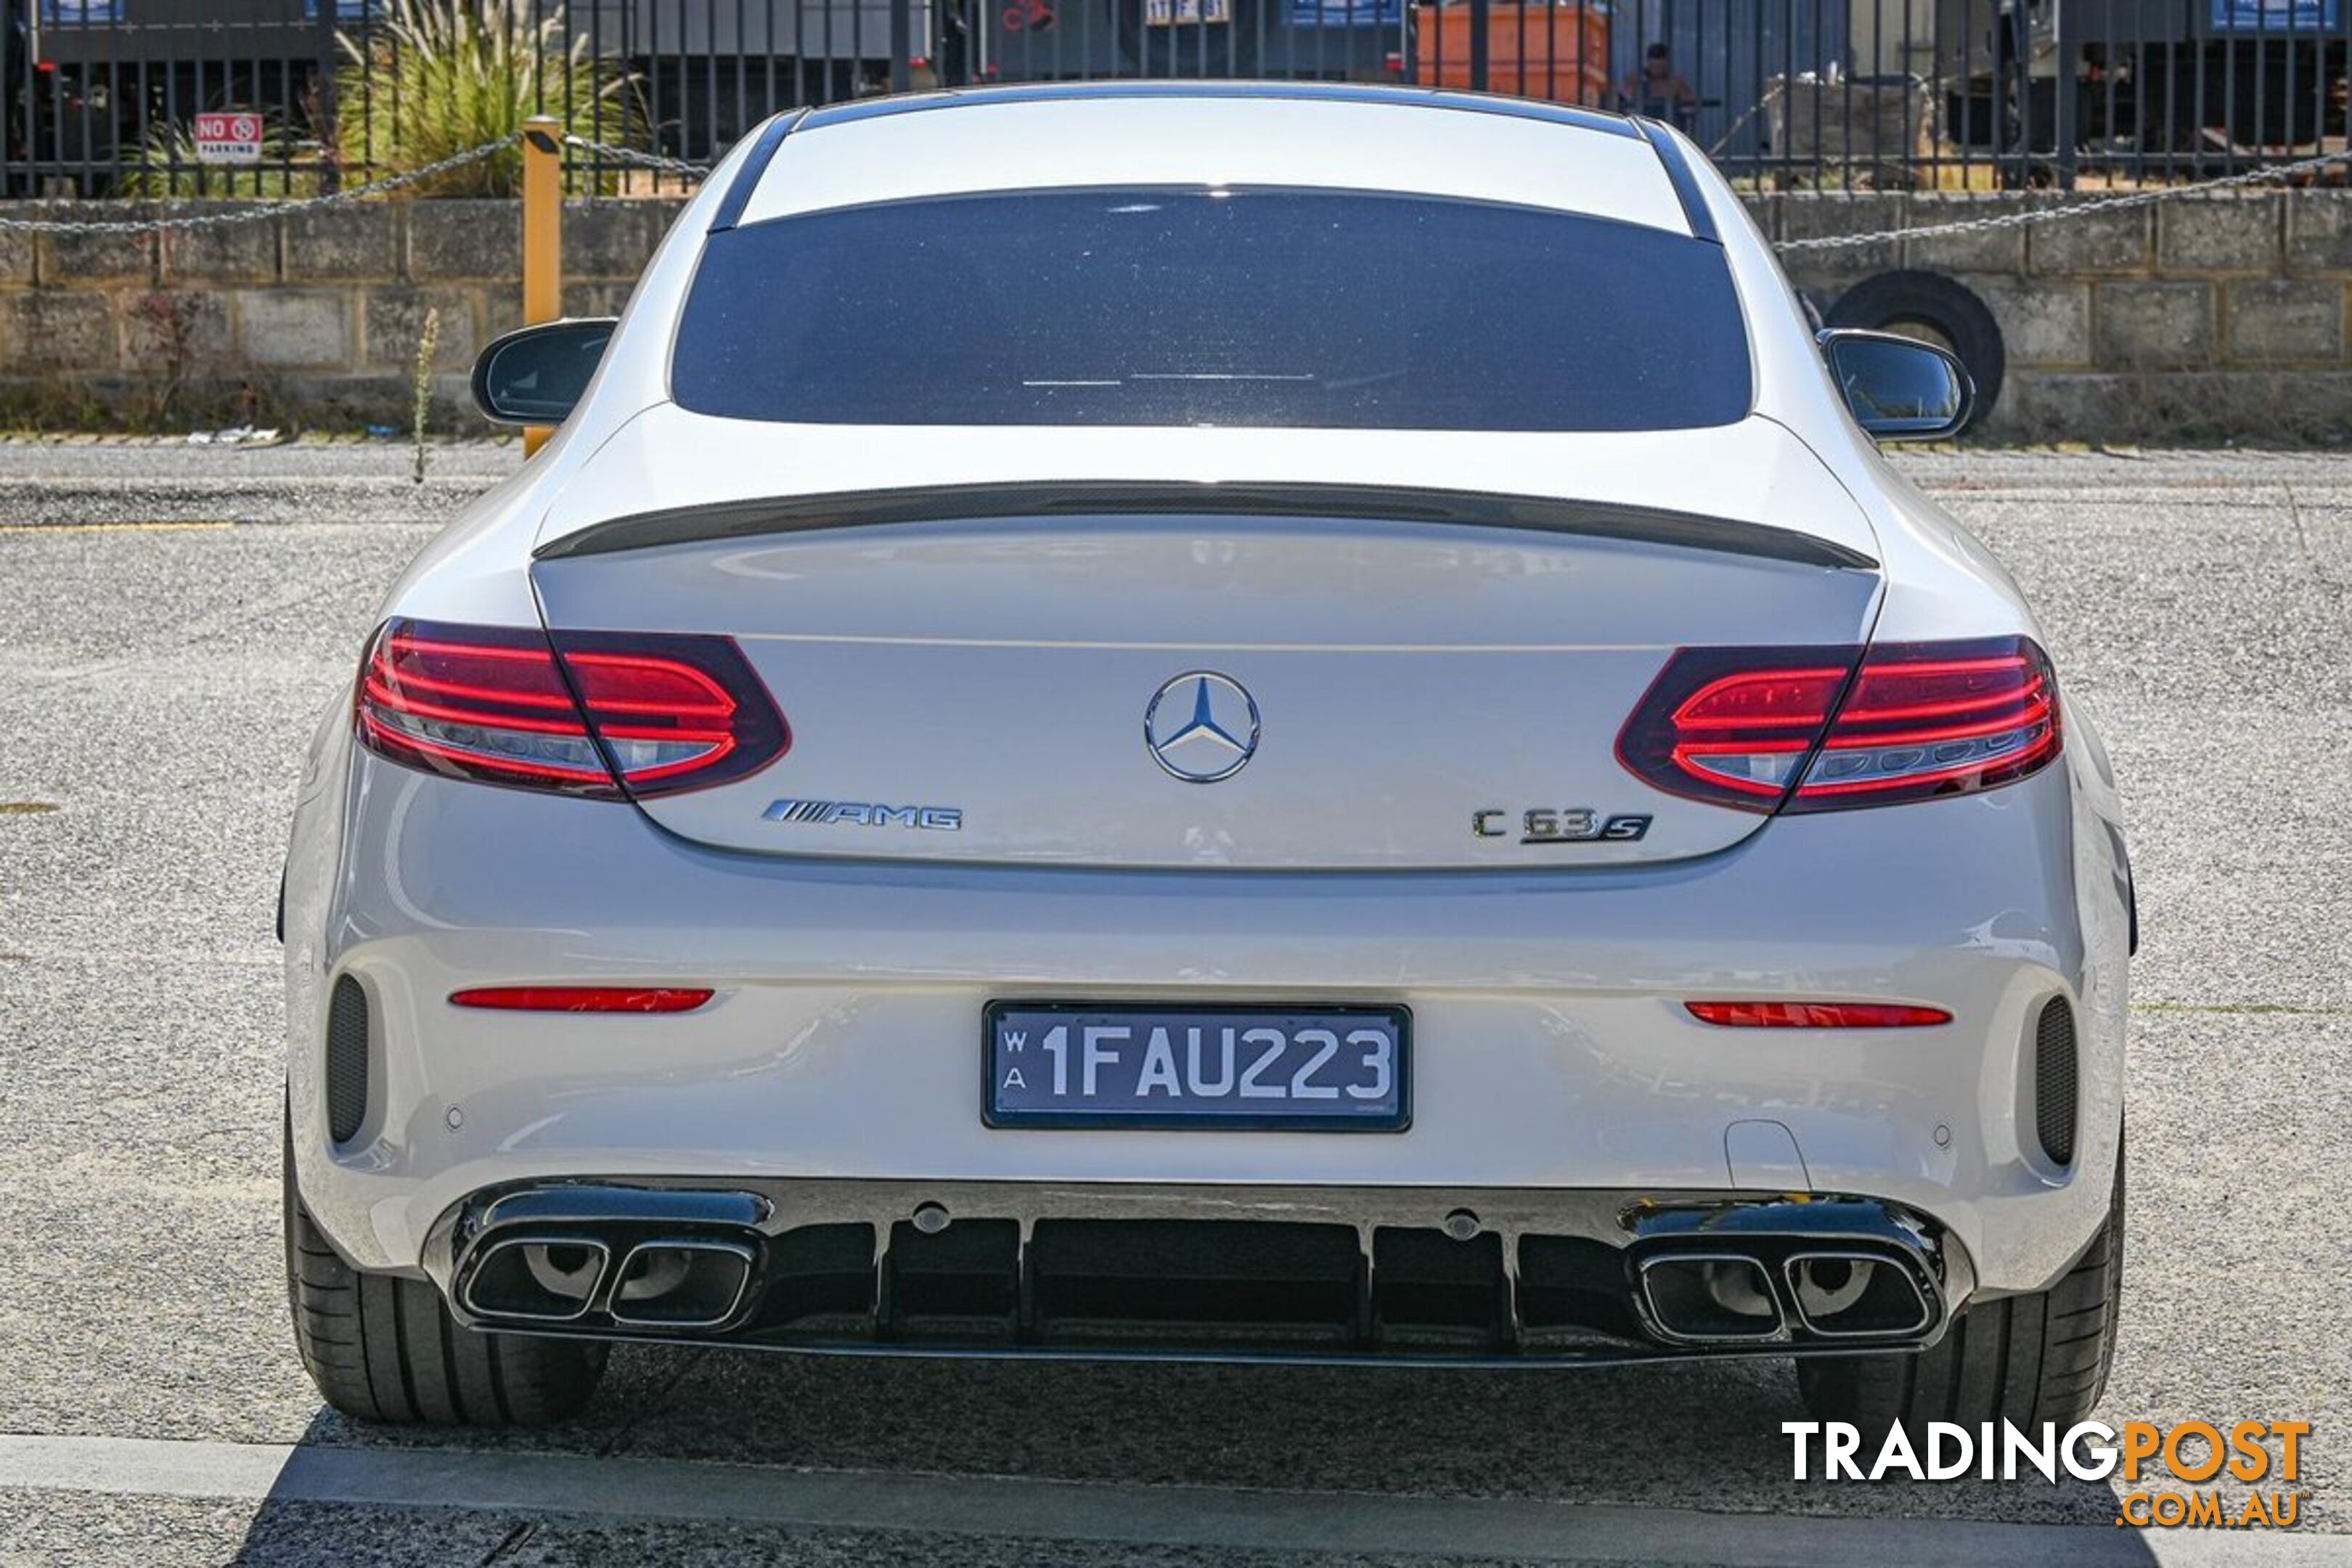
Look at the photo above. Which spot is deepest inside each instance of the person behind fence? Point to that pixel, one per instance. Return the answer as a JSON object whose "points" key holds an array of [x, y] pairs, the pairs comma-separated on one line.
{"points": [[1657, 91]]}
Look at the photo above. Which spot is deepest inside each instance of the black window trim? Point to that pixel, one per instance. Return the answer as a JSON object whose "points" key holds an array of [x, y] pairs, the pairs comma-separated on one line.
{"points": [[755, 168], [1685, 183]]}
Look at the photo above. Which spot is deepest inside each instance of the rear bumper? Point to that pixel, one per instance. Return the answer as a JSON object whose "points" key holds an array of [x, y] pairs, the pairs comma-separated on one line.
{"points": [[1552, 1055]]}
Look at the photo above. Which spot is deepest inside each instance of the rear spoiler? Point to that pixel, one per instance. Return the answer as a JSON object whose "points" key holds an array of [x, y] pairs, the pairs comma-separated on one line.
{"points": [[1029, 499]]}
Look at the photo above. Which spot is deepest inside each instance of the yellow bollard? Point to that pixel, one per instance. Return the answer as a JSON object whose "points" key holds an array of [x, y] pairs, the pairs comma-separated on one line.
{"points": [[542, 236]]}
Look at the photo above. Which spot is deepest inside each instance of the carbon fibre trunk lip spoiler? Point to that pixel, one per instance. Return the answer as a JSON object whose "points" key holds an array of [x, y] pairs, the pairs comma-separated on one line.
{"points": [[1041, 500]]}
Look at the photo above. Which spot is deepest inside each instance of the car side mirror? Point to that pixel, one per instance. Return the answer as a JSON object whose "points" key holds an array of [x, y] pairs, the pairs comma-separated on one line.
{"points": [[535, 376], [1899, 388]]}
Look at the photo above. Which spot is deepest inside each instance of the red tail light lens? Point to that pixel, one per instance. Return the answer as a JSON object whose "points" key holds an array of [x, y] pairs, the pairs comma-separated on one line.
{"points": [[478, 702], [507, 705], [1753, 728], [1816, 1014], [584, 998], [1931, 719], [1734, 725]]}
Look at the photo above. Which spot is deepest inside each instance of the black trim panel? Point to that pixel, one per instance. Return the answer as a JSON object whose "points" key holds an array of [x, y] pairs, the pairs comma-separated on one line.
{"points": [[747, 179], [833, 1255], [1039, 498], [345, 1059], [1685, 183]]}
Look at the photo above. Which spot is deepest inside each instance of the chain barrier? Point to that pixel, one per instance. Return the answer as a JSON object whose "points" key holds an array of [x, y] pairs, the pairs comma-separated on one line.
{"points": [[266, 209], [632, 156], [2079, 209]]}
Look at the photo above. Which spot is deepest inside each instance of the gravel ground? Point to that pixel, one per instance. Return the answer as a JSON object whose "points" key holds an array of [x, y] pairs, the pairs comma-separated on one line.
{"points": [[176, 617]]}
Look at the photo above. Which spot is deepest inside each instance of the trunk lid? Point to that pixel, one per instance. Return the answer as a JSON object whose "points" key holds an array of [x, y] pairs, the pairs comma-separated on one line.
{"points": [[1100, 677]]}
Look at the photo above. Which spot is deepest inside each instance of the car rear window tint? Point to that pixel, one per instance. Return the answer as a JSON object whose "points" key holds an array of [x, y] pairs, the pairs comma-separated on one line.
{"points": [[1282, 308]]}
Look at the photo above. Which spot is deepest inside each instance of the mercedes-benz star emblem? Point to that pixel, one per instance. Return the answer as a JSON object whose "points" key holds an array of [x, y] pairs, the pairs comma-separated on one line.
{"points": [[1202, 727]]}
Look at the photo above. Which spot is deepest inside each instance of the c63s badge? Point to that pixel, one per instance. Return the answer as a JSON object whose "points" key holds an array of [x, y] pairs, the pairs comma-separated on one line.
{"points": [[1566, 824]]}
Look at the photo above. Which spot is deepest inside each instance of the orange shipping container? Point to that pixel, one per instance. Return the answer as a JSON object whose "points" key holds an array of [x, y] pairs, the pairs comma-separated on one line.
{"points": [[1555, 52]]}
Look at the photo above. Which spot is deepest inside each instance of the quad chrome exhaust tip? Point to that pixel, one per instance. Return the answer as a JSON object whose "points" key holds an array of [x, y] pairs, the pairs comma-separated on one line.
{"points": [[1711, 1298], [542, 1278], [680, 1282], [1839, 1294], [1801, 1274], [672, 1282], [594, 1256]]}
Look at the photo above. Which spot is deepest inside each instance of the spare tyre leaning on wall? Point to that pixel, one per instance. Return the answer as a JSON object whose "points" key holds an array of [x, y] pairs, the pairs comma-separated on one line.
{"points": [[1943, 311]]}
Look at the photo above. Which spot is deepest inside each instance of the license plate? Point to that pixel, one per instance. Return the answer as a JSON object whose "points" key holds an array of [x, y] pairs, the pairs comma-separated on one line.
{"points": [[1186, 13], [1335, 1069]]}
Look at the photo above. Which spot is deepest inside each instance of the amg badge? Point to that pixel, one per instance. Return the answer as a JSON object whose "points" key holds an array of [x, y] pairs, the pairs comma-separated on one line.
{"points": [[867, 814], [1570, 825]]}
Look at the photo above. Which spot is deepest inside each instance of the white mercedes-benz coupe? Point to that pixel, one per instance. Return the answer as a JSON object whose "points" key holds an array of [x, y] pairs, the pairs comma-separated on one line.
{"points": [[1240, 721]]}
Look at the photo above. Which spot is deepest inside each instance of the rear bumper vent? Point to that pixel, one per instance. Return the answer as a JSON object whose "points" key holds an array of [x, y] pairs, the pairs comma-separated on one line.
{"points": [[347, 1060], [1271, 1284], [2055, 1089]]}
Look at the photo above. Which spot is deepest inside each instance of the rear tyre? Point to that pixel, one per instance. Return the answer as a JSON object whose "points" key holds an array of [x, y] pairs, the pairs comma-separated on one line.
{"points": [[384, 1348], [2026, 1359]]}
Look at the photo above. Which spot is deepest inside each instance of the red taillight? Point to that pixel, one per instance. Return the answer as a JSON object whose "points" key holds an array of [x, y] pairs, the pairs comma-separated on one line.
{"points": [[1744, 727], [1927, 718], [584, 998], [1816, 1014], [506, 705]]}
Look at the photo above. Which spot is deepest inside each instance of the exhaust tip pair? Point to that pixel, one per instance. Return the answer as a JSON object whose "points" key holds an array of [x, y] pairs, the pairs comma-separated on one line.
{"points": [[1724, 1297], [662, 1283]]}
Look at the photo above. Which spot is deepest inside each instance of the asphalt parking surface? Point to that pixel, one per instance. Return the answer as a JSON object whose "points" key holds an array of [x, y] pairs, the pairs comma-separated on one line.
{"points": [[172, 623]]}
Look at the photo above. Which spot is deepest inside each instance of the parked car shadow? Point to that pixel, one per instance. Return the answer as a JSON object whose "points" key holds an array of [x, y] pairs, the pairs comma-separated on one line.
{"points": [[1704, 1438]]}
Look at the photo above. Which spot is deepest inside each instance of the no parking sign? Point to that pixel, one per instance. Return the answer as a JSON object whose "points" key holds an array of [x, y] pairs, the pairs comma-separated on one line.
{"points": [[233, 137]]}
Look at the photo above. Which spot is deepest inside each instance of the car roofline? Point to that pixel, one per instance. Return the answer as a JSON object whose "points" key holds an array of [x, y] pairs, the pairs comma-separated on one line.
{"points": [[1323, 92], [770, 135]]}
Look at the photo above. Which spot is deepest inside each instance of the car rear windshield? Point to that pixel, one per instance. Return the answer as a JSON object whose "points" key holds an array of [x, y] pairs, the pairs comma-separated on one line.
{"points": [[1334, 309]]}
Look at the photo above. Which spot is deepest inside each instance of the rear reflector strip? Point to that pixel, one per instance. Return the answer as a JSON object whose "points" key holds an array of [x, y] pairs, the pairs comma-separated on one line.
{"points": [[1816, 1014], [584, 998]]}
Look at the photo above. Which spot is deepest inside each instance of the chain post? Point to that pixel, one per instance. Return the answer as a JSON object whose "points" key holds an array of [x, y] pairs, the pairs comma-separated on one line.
{"points": [[542, 236]]}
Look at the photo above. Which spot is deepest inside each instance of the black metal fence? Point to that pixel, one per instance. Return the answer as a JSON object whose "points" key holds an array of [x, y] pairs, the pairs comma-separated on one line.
{"points": [[101, 96]]}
